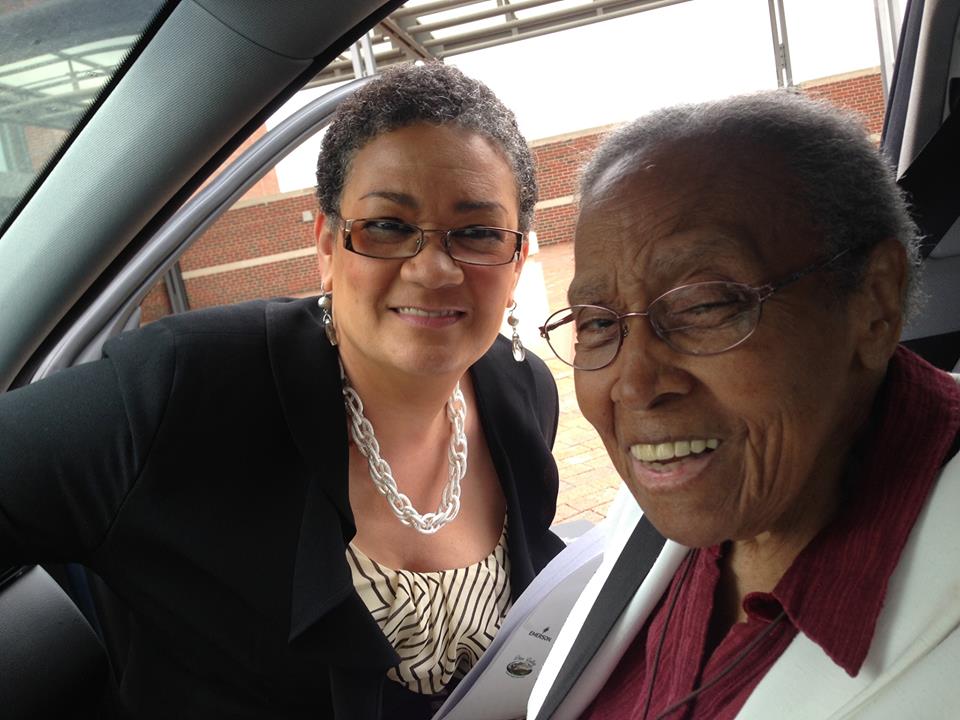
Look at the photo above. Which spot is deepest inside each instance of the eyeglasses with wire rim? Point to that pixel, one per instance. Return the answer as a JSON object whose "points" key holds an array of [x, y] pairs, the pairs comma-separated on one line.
{"points": [[387, 239], [705, 318]]}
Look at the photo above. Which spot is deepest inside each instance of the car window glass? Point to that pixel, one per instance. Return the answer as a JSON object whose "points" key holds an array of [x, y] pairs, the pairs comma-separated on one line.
{"points": [[55, 57]]}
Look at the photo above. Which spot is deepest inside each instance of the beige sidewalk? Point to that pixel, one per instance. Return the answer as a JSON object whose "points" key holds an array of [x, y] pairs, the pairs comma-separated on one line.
{"points": [[588, 481]]}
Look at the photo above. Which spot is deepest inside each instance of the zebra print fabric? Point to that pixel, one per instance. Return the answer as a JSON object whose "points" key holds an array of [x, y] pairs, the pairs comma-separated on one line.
{"points": [[439, 622]]}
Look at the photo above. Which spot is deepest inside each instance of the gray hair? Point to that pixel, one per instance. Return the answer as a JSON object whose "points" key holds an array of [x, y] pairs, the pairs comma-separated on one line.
{"points": [[431, 93], [846, 187]]}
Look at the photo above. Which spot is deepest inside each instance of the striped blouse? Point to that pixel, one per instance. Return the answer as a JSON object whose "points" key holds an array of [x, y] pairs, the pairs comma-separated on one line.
{"points": [[439, 622]]}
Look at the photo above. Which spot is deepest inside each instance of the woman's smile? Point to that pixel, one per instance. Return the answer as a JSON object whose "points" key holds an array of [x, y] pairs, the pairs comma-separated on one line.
{"points": [[422, 317], [666, 466]]}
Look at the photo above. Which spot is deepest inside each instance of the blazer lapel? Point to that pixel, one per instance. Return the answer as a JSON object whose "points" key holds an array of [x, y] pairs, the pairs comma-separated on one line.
{"points": [[307, 378], [527, 473]]}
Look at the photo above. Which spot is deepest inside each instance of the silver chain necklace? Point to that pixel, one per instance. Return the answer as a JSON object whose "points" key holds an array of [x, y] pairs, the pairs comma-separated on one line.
{"points": [[362, 432]]}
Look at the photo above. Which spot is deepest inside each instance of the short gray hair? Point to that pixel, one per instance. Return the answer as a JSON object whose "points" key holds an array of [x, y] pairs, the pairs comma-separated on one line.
{"points": [[847, 188], [431, 93]]}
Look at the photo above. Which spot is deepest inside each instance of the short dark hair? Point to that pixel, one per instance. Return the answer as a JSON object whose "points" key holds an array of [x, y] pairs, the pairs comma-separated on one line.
{"points": [[430, 93], [847, 188]]}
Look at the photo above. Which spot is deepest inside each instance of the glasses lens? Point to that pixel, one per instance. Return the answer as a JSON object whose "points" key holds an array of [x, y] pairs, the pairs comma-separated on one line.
{"points": [[483, 245], [585, 336], [384, 238], [706, 318]]}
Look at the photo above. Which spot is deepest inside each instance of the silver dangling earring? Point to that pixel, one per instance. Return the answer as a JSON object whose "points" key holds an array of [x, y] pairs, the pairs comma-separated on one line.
{"points": [[325, 303], [519, 351]]}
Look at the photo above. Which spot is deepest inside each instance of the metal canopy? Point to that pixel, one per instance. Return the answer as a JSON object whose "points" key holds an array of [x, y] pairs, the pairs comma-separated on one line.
{"points": [[45, 85], [52, 87], [436, 29]]}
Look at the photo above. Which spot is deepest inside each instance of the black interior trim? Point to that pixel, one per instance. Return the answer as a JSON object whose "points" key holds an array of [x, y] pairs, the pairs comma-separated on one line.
{"points": [[51, 664], [933, 183], [894, 119], [940, 350]]}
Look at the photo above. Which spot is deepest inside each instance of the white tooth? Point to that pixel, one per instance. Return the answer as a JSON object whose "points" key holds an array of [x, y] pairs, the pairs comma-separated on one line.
{"points": [[643, 452], [665, 451], [659, 452], [425, 313]]}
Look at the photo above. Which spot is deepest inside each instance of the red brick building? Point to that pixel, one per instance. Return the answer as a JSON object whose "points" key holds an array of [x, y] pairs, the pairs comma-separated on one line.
{"points": [[264, 247]]}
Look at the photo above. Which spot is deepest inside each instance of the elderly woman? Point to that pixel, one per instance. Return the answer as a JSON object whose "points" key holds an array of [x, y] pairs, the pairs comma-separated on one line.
{"points": [[742, 272], [318, 508]]}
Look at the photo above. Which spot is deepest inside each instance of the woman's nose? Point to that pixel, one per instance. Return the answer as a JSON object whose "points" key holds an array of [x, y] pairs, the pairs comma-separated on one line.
{"points": [[432, 267], [648, 374]]}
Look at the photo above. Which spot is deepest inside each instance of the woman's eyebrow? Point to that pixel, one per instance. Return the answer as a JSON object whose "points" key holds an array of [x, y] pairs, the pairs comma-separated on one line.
{"points": [[470, 205], [665, 265], [716, 248], [410, 201], [395, 197], [585, 293]]}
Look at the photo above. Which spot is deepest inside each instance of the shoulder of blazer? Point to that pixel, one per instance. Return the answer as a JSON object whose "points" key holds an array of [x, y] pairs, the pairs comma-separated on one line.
{"points": [[527, 384], [179, 337], [222, 346], [243, 319], [275, 351]]}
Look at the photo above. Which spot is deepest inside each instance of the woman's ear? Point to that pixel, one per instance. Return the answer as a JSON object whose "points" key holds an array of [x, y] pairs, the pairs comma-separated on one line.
{"points": [[324, 229], [878, 305]]}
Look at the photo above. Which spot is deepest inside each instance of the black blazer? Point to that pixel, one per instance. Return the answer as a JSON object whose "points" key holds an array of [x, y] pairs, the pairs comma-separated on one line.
{"points": [[201, 470]]}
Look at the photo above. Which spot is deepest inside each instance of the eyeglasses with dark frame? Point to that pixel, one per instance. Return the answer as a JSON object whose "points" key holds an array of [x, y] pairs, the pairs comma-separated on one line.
{"points": [[387, 239], [705, 318]]}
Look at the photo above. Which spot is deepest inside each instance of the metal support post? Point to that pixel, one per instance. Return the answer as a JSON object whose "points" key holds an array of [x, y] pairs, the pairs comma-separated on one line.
{"points": [[176, 289], [366, 48], [889, 14], [781, 48], [361, 55], [357, 61]]}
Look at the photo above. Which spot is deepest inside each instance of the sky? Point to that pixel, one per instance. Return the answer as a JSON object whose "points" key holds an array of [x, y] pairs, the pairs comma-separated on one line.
{"points": [[613, 71]]}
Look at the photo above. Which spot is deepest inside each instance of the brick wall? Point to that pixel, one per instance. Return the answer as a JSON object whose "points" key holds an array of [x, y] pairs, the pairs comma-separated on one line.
{"points": [[235, 260], [253, 229], [860, 91], [263, 247], [558, 161]]}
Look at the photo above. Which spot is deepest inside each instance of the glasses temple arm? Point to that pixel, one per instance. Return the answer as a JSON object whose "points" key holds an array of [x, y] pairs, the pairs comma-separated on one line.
{"points": [[769, 289], [547, 327]]}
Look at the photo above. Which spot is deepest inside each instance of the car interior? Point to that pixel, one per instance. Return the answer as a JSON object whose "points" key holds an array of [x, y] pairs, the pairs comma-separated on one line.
{"points": [[137, 181]]}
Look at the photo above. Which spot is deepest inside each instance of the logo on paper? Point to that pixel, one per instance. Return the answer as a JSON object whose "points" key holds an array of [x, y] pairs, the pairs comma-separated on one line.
{"points": [[521, 666], [542, 635]]}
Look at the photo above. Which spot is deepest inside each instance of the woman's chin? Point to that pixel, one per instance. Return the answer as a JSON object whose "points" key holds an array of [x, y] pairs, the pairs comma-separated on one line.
{"points": [[686, 528]]}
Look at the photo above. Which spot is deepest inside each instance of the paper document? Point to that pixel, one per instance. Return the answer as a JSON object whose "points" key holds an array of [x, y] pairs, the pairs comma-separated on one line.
{"points": [[497, 687]]}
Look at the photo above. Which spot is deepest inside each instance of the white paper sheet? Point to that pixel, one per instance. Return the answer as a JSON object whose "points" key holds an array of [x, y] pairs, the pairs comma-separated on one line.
{"points": [[498, 686]]}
